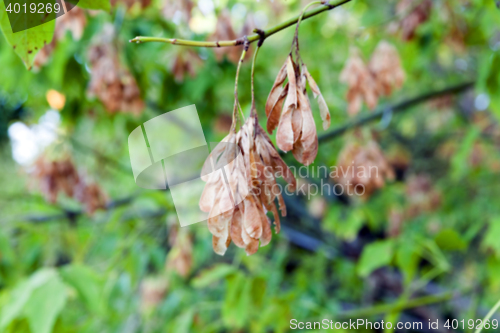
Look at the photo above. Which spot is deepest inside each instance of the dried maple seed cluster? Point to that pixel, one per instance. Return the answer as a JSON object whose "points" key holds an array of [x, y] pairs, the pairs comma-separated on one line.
{"points": [[421, 195], [413, 16], [111, 82], [61, 176], [185, 61], [288, 109], [363, 165], [180, 256], [237, 210], [366, 83]]}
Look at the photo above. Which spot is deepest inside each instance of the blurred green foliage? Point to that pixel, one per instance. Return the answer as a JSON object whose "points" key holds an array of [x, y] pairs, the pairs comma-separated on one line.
{"points": [[65, 271]]}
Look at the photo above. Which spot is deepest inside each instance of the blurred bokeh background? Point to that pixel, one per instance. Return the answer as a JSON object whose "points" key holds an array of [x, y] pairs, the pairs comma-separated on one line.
{"points": [[83, 249]]}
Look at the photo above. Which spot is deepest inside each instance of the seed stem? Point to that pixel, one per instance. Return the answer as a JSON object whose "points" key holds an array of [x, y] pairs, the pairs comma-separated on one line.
{"points": [[253, 70], [236, 102]]}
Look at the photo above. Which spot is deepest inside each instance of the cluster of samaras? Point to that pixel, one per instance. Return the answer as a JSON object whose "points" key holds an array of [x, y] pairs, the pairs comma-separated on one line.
{"points": [[61, 176], [239, 198], [237, 205]]}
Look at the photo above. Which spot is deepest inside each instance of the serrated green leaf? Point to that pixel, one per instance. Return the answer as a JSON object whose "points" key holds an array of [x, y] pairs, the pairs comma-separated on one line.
{"points": [[29, 42]]}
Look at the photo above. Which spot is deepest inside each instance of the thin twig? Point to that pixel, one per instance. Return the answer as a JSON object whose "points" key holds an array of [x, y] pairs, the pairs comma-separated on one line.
{"points": [[236, 101], [397, 307], [262, 35]]}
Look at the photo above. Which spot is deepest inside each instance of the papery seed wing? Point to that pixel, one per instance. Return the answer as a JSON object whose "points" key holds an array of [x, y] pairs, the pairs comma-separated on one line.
{"points": [[208, 166], [277, 224], [296, 124], [276, 89], [218, 219], [323, 108], [236, 228], [280, 166], [251, 218], [273, 117], [266, 228], [298, 150], [252, 247], [312, 83], [292, 82], [284, 135], [324, 112], [210, 192], [220, 244], [309, 138]]}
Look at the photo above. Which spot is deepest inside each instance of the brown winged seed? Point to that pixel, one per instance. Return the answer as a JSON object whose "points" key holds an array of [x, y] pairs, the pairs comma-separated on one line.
{"points": [[360, 81], [367, 83], [385, 66], [237, 210], [362, 169], [288, 109]]}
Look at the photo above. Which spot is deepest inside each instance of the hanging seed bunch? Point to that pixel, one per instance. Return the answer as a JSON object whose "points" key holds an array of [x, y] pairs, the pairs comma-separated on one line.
{"points": [[62, 176], [288, 108], [366, 83], [413, 16], [361, 83], [91, 196], [55, 177], [110, 81], [238, 208], [180, 256], [363, 166], [421, 195], [386, 69], [185, 61]]}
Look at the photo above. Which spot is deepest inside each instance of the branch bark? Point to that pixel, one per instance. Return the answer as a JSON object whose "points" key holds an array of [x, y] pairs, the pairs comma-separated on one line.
{"points": [[396, 108], [258, 35]]}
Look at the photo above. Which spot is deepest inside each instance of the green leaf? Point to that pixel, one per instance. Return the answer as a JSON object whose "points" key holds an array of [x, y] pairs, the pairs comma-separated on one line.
{"points": [[407, 259], [237, 304], [21, 294], [449, 239], [88, 285], [29, 42], [185, 321], [492, 236], [375, 255], [215, 274], [95, 4], [459, 162], [45, 304]]}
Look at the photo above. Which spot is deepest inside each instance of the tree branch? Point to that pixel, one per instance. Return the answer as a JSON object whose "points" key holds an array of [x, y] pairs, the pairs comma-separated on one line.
{"points": [[402, 106], [258, 35]]}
